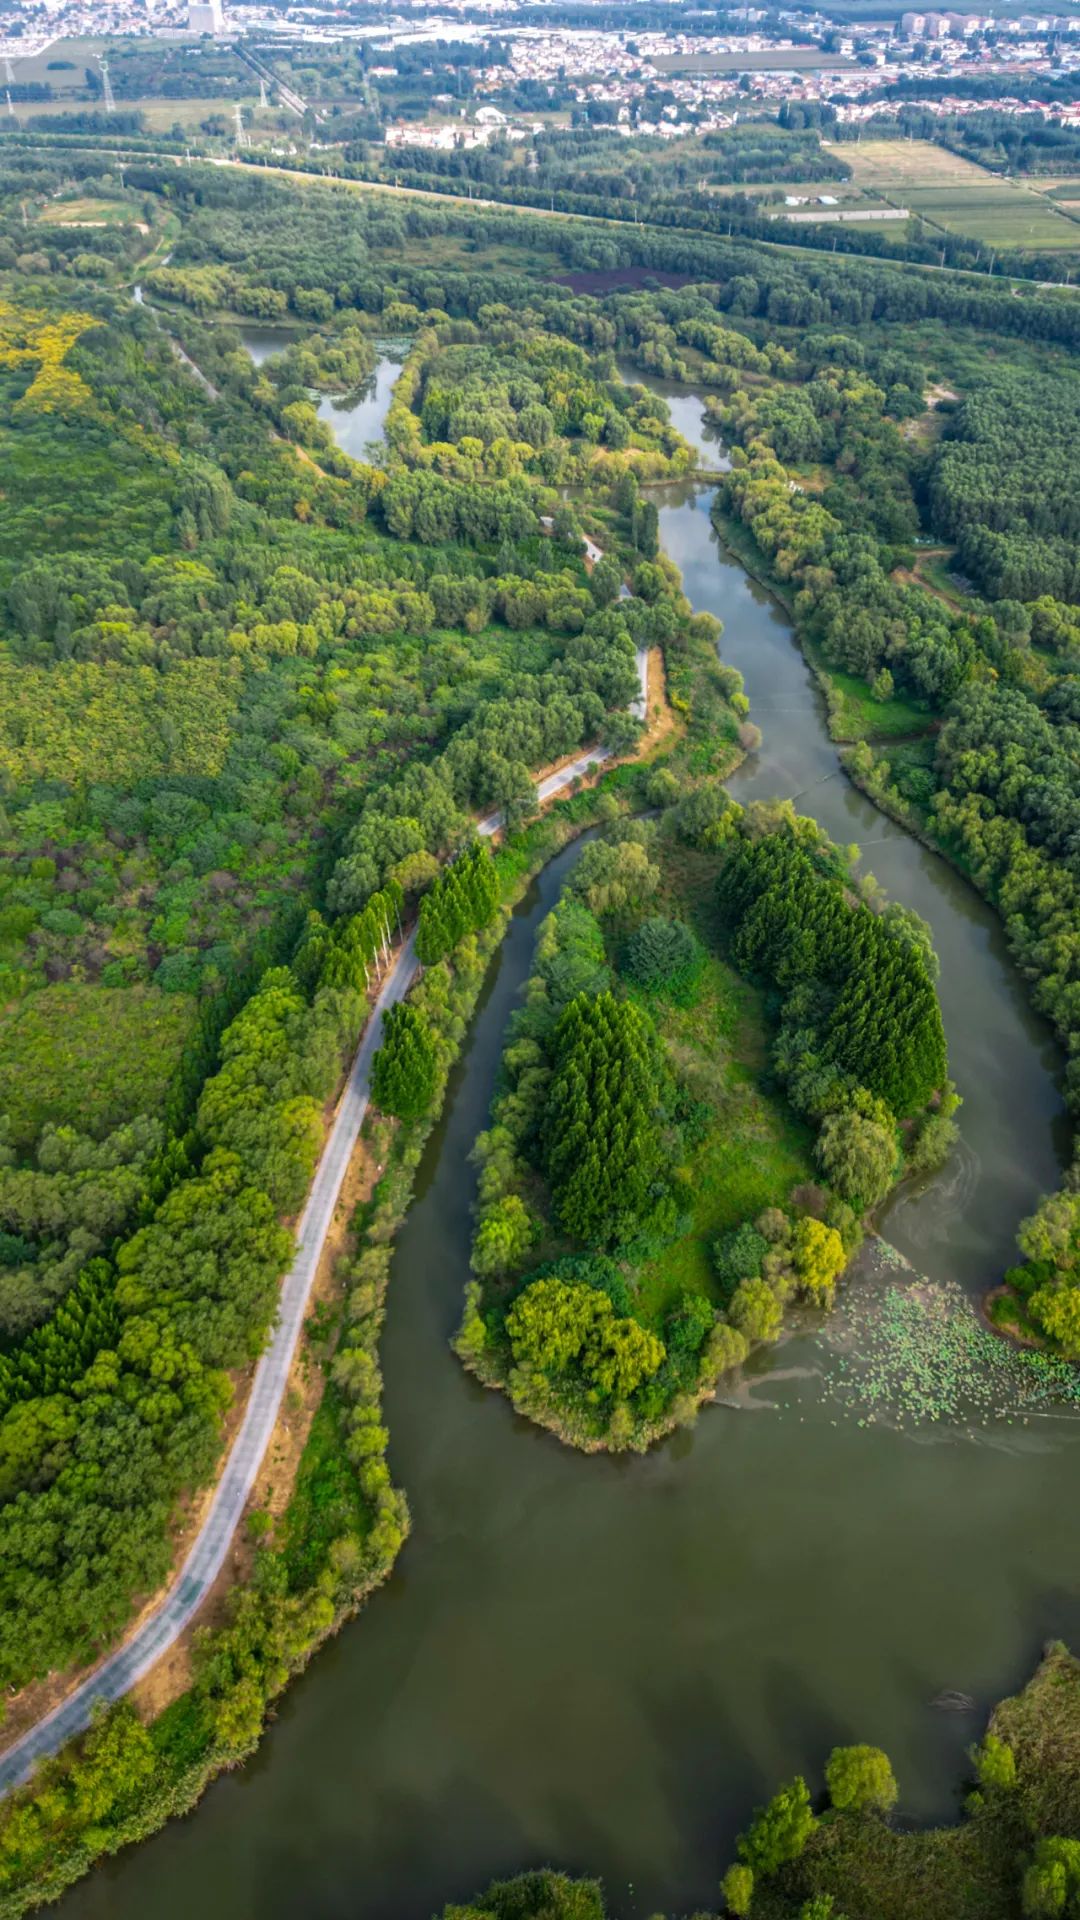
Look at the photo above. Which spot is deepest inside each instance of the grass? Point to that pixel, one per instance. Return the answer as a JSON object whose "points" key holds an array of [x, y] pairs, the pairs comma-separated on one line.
{"points": [[857, 715], [87, 212], [79, 53], [89, 1057], [159, 114], [755, 1148], [903, 164], [1001, 213], [326, 1502]]}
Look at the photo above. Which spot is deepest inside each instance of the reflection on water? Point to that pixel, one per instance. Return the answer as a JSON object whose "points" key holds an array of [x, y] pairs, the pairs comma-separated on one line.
{"points": [[355, 419], [606, 1664]]}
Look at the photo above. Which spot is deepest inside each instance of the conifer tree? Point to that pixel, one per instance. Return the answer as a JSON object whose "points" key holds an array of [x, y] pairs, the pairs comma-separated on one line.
{"points": [[404, 1072]]}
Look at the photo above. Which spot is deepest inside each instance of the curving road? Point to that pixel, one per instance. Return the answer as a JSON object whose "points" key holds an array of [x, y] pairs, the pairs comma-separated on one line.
{"points": [[121, 1670]]}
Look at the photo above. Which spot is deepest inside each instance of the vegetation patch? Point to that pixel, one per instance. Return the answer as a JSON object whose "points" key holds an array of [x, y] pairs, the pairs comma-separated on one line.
{"points": [[74, 1055]]}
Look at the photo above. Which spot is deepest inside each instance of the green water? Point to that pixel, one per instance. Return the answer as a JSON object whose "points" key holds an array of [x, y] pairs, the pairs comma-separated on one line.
{"points": [[601, 1663]]}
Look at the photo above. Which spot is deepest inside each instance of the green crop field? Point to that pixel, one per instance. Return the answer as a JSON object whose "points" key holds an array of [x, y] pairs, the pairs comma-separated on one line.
{"points": [[1000, 213]]}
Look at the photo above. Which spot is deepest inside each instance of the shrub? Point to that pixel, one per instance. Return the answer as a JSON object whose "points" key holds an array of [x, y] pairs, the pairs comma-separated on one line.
{"points": [[739, 1255], [737, 1889], [663, 957]]}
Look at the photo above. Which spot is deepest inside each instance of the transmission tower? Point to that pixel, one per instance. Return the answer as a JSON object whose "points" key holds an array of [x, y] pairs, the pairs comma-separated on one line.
{"points": [[262, 93], [9, 71], [110, 103], [241, 136], [11, 109]]}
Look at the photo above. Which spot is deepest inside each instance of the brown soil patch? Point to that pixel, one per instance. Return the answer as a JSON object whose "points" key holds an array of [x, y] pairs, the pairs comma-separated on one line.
{"points": [[913, 577]]}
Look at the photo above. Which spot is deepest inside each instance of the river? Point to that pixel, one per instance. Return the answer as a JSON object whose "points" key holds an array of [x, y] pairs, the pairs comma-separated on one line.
{"points": [[605, 1663]]}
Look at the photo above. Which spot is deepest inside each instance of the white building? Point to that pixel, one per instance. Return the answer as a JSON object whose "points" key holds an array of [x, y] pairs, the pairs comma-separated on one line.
{"points": [[205, 16]]}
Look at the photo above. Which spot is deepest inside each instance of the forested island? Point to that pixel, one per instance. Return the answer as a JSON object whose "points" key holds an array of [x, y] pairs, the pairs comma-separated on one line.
{"points": [[279, 723], [684, 1210]]}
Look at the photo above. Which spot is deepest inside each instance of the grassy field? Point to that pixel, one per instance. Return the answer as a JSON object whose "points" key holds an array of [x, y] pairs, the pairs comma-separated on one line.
{"points": [[44, 66], [159, 115], [1002, 214], [898, 165], [755, 1148], [86, 213]]}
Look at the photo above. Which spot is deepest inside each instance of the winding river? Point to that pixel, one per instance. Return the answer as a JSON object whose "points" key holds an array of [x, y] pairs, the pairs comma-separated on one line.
{"points": [[604, 1664]]}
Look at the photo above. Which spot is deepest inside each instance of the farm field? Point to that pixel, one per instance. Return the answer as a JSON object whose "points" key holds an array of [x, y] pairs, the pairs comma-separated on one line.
{"points": [[1000, 213], [46, 66], [86, 213], [159, 115], [895, 166]]}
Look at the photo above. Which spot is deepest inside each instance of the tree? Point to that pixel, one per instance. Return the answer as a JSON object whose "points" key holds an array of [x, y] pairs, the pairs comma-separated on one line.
{"points": [[737, 1889], [600, 1131], [779, 1831], [663, 955], [818, 1257], [503, 1237], [613, 875], [1052, 1881], [858, 1156], [995, 1764], [860, 1780], [756, 1311], [404, 1072]]}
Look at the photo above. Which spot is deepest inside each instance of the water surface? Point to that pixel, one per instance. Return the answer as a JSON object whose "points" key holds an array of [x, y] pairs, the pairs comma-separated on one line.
{"points": [[355, 419]]}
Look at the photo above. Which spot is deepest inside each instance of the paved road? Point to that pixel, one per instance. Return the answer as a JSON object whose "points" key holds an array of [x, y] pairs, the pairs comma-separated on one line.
{"points": [[136, 1656], [121, 1670], [586, 762]]}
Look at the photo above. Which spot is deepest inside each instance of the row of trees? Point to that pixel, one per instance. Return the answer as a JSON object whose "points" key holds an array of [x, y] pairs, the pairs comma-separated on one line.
{"points": [[860, 1005]]}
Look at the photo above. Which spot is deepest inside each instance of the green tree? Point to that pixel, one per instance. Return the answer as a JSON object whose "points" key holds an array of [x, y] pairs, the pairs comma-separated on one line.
{"points": [[737, 1889], [756, 1311], [860, 1780], [503, 1237], [858, 1156], [995, 1764], [600, 1130], [779, 1831], [404, 1072]]}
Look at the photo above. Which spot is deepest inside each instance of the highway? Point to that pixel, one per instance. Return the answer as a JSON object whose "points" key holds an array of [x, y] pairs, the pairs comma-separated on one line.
{"points": [[120, 1670]]}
